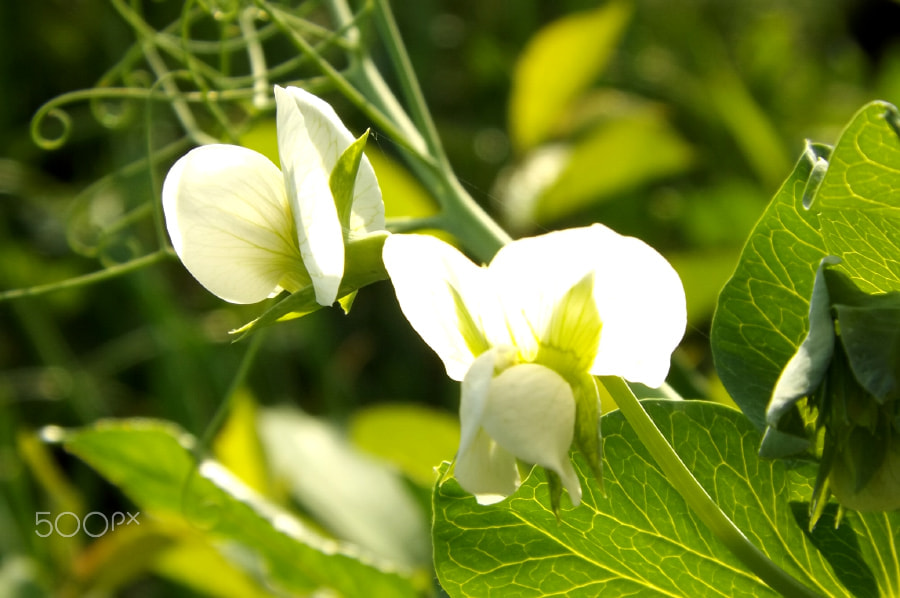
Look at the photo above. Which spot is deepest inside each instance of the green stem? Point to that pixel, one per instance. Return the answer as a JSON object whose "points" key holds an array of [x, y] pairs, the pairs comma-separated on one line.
{"points": [[409, 83], [469, 223], [368, 79], [461, 215], [412, 225], [202, 449], [405, 138], [695, 496], [78, 281]]}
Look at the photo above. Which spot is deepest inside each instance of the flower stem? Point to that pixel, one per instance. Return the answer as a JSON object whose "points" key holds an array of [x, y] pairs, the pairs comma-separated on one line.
{"points": [[202, 448], [696, 497], [461, 215], [409, 83]]}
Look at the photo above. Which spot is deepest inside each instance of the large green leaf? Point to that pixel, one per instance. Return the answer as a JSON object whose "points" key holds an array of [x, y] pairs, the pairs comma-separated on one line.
{"points": [[151, 462], [641, 539], [853, 212]]}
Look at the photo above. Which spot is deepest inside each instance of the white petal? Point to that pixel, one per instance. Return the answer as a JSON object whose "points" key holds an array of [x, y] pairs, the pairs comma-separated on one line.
{"points": [[639, 296], [642, 304], [330, 138], [530, 412], [532, 275], [309, 144], [482, 467], [486, 470], [228, 217], [473, 397], [425, 272]]}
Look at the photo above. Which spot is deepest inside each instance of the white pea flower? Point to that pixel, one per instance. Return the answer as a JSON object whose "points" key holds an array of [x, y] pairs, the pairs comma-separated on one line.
{"points": [[247, 230], [527, 334]]}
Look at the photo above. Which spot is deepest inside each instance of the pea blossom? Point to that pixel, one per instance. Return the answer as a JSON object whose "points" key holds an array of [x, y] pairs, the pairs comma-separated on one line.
{"points": [[527, 334], [247, 230]]}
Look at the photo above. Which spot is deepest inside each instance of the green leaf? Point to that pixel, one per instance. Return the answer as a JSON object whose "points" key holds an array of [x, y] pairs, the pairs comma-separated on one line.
{"points": [[151, 462], [862, 549], [237, 445], [761, 316], [412, 437], [641, 539], [870, 334], [807, 368], [615, 157], [560, 62], [854, 214], [355, 497]]}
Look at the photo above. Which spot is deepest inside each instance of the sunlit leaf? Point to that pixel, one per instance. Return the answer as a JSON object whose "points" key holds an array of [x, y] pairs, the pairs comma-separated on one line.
{"points": [[122, 554], [560, 62], [862, 549], [352, 495], [237, 444], [641, 539], [414, 438], [262, 137], [190, 563], [854, 213], [404, 196], [615, 157], [152, 464]]}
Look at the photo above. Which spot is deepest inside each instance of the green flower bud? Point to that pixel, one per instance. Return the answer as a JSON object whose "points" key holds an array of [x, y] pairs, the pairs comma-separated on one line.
{"points": [[847, 370]]}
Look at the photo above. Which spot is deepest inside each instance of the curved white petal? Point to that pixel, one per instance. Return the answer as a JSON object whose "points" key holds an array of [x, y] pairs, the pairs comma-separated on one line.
{"points": [[473, 397], [530, 412], [486, 470], [532, 275], [228, 217], [426, 272], [642, 304], [482, 467], [311, 138], [639, 297], [330, 138]]}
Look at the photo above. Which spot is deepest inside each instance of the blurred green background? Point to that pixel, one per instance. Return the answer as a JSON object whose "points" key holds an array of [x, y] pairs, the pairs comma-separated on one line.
{"points": [[671, 121]]}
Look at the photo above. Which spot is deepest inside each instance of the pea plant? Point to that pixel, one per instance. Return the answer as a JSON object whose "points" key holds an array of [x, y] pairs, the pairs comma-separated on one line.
{"points": [[286, 147]]}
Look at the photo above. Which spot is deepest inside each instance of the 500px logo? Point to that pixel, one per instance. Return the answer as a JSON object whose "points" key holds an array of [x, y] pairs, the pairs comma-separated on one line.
{"points": [[99, 523]]}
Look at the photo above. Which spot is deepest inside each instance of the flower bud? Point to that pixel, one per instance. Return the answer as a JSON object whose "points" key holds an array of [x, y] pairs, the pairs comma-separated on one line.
{"points": [[847, 370]]}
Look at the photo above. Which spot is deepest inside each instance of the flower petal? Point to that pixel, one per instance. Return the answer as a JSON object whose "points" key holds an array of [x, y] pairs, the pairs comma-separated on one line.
{"points": [[329, 139], [530, 412], [473, 397], [641, 302], [445, 297], [228, 217], [482, 466], [639, 297], [486, 470], [309, 144], [532, 276]]}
